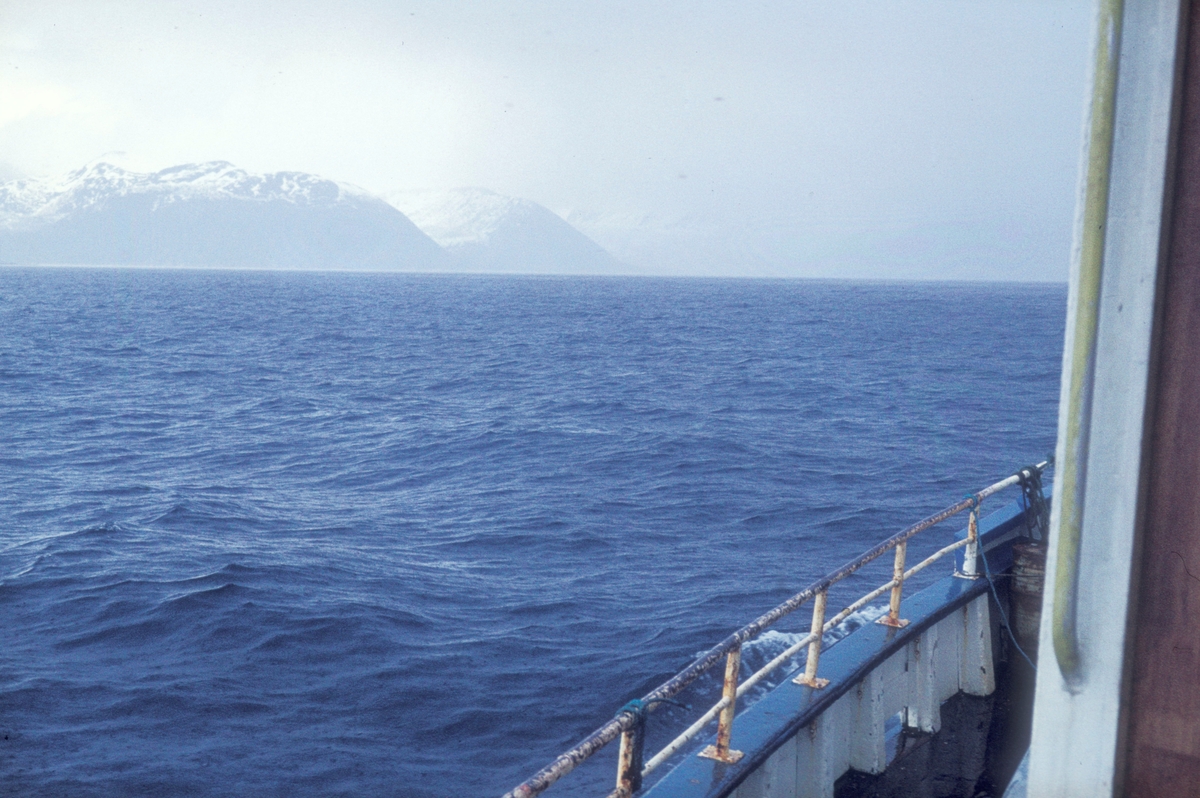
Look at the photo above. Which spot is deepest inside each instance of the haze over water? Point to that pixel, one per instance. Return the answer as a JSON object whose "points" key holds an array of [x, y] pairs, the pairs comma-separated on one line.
{"points": [[403, 535]]}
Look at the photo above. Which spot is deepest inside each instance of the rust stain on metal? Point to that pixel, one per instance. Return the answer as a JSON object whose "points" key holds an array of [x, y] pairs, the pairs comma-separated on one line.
{"points": [[1028, 579], [809, 677], [568, 761], [721, 751], [971, 555], [893, 618], [629, 761]]}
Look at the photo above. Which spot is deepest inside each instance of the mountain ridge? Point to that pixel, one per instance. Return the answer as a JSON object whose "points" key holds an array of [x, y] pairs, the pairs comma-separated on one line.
{"points": [[215, 214], [207, 214]]}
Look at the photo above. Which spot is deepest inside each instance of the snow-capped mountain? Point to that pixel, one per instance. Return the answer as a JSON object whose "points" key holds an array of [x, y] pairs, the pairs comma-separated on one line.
{"points": [[209, 214], [488, 232]]}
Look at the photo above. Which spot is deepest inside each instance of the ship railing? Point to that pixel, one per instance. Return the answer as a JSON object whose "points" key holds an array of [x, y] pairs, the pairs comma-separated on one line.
{"points": [[629, 723]]}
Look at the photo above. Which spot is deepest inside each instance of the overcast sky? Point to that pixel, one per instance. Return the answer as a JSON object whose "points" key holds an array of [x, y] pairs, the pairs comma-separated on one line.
{"points": [[889, 139]]}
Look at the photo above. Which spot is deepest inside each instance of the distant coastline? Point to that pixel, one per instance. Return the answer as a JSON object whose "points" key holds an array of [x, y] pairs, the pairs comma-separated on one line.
{"points": [[215, 215]]}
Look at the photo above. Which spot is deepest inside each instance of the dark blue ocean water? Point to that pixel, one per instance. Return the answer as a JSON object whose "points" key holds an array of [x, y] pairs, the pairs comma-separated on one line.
{"points": [[276, 534]]}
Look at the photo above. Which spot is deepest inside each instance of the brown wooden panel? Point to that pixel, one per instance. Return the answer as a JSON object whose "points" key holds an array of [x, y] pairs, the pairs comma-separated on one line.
{"points": [[1164, 710]]}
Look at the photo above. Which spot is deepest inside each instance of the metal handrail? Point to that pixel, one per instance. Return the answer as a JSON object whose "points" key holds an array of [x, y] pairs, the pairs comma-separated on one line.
{"points": [[1080, 353], [628, 724]]}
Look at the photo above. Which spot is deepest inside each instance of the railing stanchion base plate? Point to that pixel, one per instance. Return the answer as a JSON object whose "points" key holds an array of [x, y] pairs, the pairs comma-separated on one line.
{"points": [[897, 624], [731, 757]]}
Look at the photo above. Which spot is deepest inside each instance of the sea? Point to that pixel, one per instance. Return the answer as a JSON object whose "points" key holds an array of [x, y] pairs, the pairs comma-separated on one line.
{"points": [[359, 534]]}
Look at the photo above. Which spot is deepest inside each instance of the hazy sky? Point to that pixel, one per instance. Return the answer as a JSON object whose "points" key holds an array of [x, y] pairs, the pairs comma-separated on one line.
{"points": [[873, 138]]}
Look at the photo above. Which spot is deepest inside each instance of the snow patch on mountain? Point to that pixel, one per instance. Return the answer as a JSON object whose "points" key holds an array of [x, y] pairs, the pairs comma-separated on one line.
{"points": [[206, 214], [33, 201]]}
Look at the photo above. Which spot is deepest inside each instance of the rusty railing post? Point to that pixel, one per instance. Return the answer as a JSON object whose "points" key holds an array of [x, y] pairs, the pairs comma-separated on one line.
{"points": [[809, 677], [721, 751], [893, 617], [971, 553], [629, 757]]}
